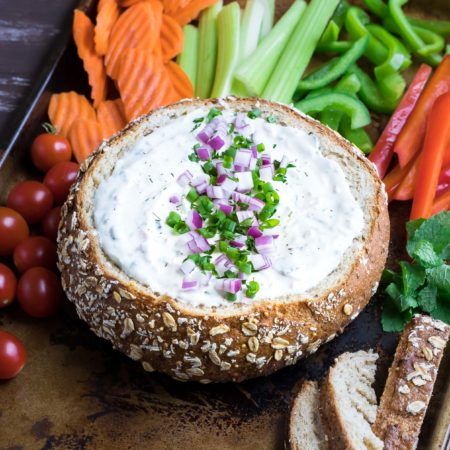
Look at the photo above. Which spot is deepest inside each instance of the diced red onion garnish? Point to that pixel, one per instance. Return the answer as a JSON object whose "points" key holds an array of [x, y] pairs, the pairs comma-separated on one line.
{"points": [[252, 164], [201, 189], [238, 168], [256, 204], [220, 169], [229, 185], [245, 181], [244, 215], [242, 198], [184, 178], [221, 179], [175, 199], [254, 151], [240, 121], [242, 275], [238, 241], [231, 285], [222, 264], [223, 206], [254, 232], [266, 159], [216, 142], [188, 266], [206, 133], [189, 285], [242, 157], [194, 220], [284, 162], [260, 262], [204, 153], [266, 172], [197, 181], [264, 244], [204, 278], [198, 245], [214, 192]]}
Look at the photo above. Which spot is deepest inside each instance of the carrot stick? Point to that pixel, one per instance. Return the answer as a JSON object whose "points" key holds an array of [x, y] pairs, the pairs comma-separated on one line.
{"points": [[172, 38], [411, 137], [138, 27], [405, 189], [83, 34], [383, 151], [191, 11], [107, 14], [84, 136], [66, 107], [441, 203], [435, 143], [171, 6], [180, 80], [111, 117]]}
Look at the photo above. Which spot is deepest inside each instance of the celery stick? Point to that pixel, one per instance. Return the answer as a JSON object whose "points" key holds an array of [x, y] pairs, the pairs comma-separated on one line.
{"points": [[228, 24], [268, 18], [299, 50], [252, 18], [207, 50], [255, 71], [187, 59]]}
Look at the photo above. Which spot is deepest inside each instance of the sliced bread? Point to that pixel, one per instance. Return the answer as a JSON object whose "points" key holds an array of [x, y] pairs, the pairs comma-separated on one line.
{"points": [[410, 382], [348, 402], [305, 424]]}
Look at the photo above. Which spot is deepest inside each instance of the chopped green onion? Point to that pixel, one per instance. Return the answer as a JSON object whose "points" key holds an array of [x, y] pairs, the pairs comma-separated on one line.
{"points": [[254, 113], [187, 59], [172, 219], [192, 195], [231, 297], [252, 289], [213, 112]]}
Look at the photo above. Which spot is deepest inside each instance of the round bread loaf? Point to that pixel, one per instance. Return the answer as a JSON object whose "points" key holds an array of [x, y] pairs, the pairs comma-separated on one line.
{"points": [[238, 340]]}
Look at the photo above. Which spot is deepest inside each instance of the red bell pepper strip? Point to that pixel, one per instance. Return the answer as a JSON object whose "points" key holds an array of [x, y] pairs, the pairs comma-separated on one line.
{"points": [[405, 189], [393, 180], [444, 180], [383, 151], [437, 136], [411, 137], [441, 203]]}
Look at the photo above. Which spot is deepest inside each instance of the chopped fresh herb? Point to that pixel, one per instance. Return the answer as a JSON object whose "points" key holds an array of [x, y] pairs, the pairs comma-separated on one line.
{"points": [[260, 148], [271, 119], [213, 112], [193, 157], [424, 284], [231, 297], [254, 113], [252, 289]]}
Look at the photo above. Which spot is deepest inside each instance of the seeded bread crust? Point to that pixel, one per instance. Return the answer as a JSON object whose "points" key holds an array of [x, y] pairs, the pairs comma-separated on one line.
{"points": [[410, 383], [206, 344]]}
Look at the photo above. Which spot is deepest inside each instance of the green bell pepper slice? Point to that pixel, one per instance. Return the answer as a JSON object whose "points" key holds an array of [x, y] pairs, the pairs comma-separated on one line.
{"points": [[355, 24], [334, 47], [335, 68], [370, 93], [358, 136], [354, 108], [377, 7], [441, 27]]}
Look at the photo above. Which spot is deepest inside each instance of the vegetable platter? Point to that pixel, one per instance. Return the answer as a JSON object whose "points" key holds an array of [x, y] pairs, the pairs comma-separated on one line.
{"points": [[356, 71]]}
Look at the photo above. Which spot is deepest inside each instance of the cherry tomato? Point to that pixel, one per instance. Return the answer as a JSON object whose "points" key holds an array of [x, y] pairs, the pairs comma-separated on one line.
{"points": [[59, 179], [49, 149], [33, 252], [12, 355], [13, 230], [50, 223], [39, 292], [31, 199], [8, 286]]}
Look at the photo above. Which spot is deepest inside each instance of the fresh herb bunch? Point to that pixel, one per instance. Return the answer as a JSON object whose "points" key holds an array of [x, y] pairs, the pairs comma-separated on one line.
{"points": [[423, 284]]}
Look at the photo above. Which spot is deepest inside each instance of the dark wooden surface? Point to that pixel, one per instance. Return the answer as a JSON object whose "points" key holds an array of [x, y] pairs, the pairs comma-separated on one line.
{"points": [[28, 30]]}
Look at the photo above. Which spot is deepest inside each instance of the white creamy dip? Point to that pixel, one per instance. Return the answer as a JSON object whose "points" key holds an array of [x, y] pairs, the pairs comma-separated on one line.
{"points": [[319, 216]]}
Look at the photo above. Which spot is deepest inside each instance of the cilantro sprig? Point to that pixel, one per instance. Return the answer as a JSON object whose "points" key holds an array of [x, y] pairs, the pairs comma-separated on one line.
{"points": [[422, 285]]}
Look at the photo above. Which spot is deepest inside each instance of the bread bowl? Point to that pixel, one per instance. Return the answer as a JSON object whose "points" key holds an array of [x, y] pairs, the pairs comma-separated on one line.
{"points": [[190, 339]]}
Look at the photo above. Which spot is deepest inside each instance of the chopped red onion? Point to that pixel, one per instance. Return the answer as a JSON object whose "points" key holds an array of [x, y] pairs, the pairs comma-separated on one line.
{"points": [[245, 181], [204, 153], [220, 169], [223, 206], [214, 192], [229, 185], [254, 151], [254, 232], [266, 159], [256, 204], [184, 178], [238, 241], [175, 199], [238, 168], [189, 285], [201, 189], [242, 198], [260, 262], [222, 264], [244, 215], [206, 133], [242, 157], [216, 142], [264, 244], [266, 172], [221, 179], [231, 285], [252, 164], [197, 181], [198, 245], [194, 220], [188, 266], [240, 121]]}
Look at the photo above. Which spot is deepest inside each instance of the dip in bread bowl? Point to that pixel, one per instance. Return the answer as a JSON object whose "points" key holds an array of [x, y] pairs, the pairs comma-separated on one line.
{"points": [[195, 296]]}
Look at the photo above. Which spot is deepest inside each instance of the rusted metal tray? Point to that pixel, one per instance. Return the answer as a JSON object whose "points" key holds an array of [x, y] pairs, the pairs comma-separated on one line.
{"points": [[78, 393]]}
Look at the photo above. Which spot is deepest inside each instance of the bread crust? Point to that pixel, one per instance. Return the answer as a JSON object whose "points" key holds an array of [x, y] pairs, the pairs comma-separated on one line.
{"points": [[211, 345], [410, 383]]}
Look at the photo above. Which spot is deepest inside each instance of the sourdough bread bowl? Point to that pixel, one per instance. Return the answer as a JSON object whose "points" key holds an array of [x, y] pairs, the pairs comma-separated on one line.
{"points": [[206, 338]]}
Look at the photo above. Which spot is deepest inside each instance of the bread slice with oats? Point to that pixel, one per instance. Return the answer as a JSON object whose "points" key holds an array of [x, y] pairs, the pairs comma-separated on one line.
{"points": [[410, 382], [349, 404], [227, 341]]}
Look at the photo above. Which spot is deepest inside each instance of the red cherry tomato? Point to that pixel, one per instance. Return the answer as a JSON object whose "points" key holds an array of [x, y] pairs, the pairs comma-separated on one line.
{"points": [[59, 179], [50, 223], [31, 199], [13, 230], [8, 286], [39, 292], [12, 355], [33, 252], [49, 149]]}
